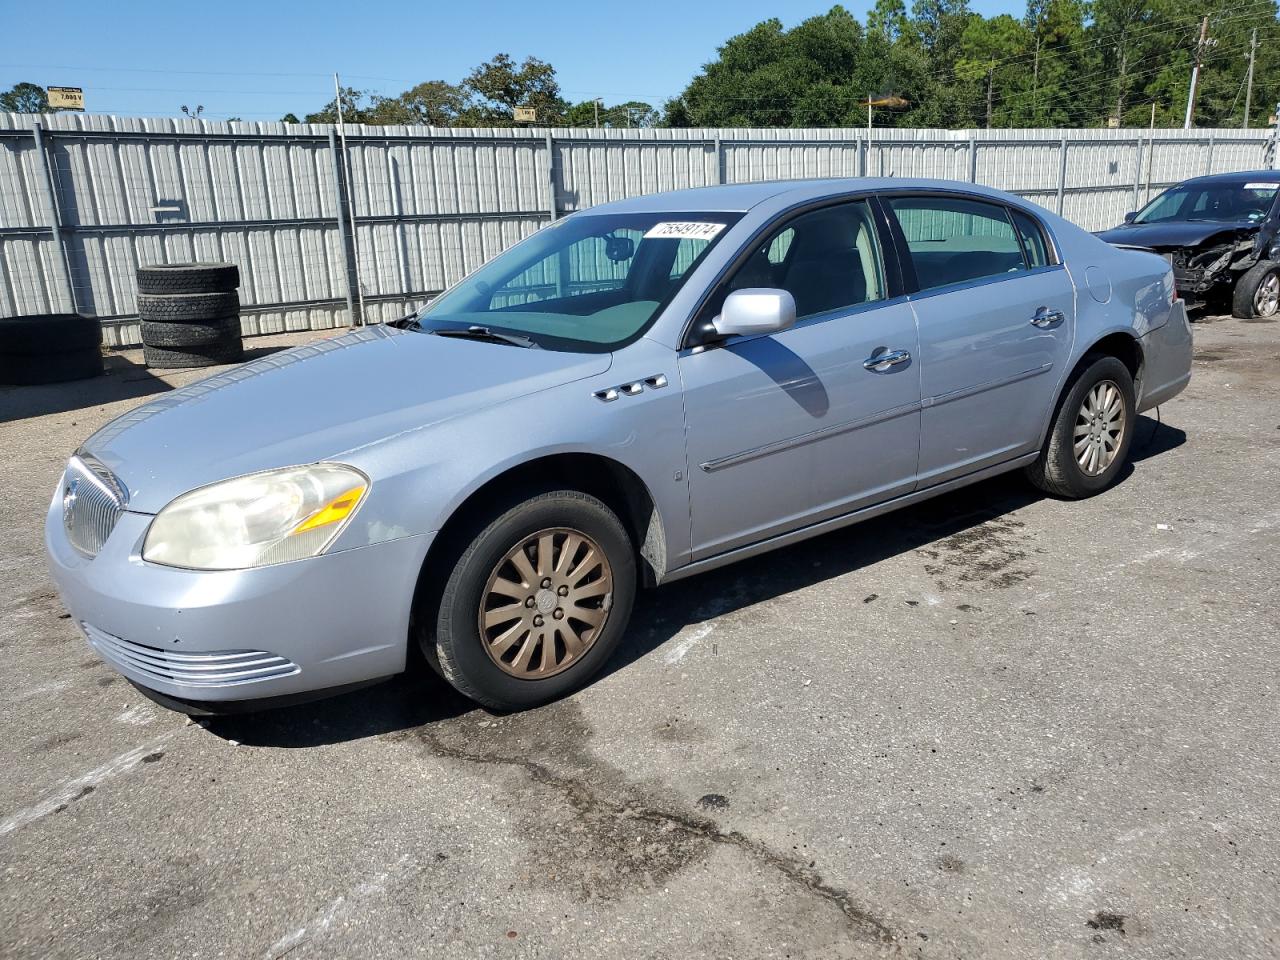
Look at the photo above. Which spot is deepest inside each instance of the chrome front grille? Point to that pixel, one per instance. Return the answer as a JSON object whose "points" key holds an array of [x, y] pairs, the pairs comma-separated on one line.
{"points": [[92, 501], [212, 669]]}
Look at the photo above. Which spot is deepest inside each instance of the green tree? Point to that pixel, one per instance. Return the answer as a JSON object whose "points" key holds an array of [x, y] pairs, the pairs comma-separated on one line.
{"points": [[498, 86], [633, 113], [812, 75], [433, 102], [990, 56], [25, 98]]}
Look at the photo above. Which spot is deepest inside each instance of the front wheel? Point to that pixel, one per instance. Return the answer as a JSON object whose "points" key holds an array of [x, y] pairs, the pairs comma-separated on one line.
{"points": [[1257, 292], [1092, 430], [536, 603]]}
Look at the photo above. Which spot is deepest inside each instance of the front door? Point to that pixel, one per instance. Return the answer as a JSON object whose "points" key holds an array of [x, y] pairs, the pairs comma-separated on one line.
{"points": [[996, 318], [790, 429]]}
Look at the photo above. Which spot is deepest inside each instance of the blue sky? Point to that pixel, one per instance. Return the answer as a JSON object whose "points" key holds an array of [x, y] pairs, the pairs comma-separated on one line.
{"points": [[261, 60]]}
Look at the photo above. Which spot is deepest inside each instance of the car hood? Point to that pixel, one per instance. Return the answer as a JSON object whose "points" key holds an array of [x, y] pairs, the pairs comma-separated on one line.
{"points": [[316, 402], [1181, 233]]}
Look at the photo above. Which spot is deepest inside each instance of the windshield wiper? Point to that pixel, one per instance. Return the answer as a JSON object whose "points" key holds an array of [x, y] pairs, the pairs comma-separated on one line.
{"points": [[476, 332]]}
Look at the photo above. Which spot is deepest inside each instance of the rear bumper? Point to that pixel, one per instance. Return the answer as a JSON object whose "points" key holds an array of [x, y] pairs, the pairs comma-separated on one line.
{"points": [[1166, 353], [225, 636]]}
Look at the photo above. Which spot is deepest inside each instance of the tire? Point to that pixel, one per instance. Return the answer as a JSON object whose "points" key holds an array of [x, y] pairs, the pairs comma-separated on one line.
{"points": [[167, 278], [460, 648], [187, 307], [230, 350], [1257, 292], [49, 333], [1058, 471], [196, 334], [19, 368]]}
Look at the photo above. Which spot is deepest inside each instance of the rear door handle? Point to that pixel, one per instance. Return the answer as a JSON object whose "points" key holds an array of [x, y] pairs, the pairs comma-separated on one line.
{"points": [[1046, 318], [884, 361]]}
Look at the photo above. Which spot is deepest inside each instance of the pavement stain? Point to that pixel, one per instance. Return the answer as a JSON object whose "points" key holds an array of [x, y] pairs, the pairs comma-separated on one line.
{"points": [[611, 837], [992, 554]]}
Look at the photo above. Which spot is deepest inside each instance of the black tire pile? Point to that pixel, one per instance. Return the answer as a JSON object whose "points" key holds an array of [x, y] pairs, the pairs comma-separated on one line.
{"points": [[49, 348], [190, 314]]}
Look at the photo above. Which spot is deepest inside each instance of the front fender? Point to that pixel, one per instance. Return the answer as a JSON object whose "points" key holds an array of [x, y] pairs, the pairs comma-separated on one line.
{"points": [[422, 478]]}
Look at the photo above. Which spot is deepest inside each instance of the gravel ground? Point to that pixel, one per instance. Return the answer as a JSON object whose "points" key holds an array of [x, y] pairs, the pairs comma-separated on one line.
{"points": [[993, 725]]}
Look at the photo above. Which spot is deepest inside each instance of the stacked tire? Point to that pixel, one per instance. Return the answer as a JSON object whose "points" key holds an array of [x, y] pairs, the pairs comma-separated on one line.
{"points": [[190, 314], [49, 348]]}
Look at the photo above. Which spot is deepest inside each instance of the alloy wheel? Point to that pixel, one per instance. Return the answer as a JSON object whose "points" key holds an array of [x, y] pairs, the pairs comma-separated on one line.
{"points": [[1266, 300], [1099, 428], [546, 603]]}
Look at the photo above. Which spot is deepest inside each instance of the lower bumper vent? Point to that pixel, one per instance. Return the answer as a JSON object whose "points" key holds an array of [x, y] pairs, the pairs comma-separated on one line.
{"points": [[208, 669]]}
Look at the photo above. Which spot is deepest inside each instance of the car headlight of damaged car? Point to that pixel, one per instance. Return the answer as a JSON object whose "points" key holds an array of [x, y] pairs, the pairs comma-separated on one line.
{"points": [[257, 520]]}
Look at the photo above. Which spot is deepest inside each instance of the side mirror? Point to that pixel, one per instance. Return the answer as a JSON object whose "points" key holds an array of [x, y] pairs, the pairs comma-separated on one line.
{"points": [[754, 311], [1128, 217]]}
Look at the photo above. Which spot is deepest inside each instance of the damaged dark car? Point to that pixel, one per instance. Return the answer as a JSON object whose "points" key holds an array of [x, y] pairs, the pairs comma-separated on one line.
{"points": [[1220, 233]]}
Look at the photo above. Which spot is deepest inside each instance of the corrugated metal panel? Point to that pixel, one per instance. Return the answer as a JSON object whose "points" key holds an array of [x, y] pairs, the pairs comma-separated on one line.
{"points": [[432, 204]]}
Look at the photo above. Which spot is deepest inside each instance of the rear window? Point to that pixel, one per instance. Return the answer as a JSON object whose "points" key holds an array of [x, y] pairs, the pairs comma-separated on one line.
{"points": [[954, 240]]}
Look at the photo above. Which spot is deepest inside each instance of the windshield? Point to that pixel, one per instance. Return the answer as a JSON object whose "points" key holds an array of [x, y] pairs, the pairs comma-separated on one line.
{"points": [[1227, 202], [589, 282]]}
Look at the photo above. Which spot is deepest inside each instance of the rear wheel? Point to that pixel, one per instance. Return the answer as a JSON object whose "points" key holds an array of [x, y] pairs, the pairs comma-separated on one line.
{"points": [[1257, 292], [536, 602], [1092, 431]]}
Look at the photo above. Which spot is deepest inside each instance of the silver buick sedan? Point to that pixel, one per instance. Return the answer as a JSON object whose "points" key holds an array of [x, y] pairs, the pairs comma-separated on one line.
{"points": [[637, 393]]}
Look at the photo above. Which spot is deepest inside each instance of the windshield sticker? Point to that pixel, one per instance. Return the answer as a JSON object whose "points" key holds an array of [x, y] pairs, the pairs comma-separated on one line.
{"points": [[1261, 186], [691, 229]]}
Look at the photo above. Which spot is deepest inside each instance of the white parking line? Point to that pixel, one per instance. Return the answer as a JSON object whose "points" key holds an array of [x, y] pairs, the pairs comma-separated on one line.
{"points": [[80, 786], [682, 648], [336, 908]]}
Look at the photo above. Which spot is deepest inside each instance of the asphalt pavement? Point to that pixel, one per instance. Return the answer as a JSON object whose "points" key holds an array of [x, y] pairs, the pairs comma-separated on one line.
{"points": [[993, 725]]}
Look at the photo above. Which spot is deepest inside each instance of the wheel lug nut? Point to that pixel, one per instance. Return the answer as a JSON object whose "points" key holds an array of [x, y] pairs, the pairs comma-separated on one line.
{"points": [[528, 602], [546, 582], [537, 621], [563, 591], [559, 614]]}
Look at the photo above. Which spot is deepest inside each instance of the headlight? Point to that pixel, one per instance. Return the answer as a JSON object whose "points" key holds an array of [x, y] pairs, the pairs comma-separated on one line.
{"points": [[253, 521]]}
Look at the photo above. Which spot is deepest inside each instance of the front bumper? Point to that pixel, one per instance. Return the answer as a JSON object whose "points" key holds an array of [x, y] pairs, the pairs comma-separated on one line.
{"points": [[224, 636]]}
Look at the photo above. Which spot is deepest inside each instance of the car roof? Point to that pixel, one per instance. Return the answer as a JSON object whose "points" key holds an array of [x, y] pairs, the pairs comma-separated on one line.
{"points": [[741, 197], [1240, 176]]}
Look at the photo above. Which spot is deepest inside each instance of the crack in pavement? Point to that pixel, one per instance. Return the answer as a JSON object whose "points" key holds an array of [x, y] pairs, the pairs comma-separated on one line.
{"points": [[587, 802]]}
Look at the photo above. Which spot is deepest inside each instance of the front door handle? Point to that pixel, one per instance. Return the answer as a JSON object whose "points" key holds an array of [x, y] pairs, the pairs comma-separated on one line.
{"points": [[1046, 318], [883, 361]]}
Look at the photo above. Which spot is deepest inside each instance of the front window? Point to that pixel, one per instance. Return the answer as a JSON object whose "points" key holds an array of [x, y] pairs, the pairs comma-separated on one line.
{"points": [[589, 282], [827, 259], [1218, 202]]}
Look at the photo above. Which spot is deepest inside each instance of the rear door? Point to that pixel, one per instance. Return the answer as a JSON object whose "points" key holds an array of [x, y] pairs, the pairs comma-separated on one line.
{"points": [[996, 314]]}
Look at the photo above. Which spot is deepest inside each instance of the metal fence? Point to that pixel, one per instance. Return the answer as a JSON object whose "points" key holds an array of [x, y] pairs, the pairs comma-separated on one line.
{"points": [[85, 199]]}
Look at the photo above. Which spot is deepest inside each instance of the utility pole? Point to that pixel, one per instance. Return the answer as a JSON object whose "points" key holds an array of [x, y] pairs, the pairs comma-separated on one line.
{"points": [[1248, 85], [991, 79], [868, 113], [351, 205], [595, 105], [1195, 74]]}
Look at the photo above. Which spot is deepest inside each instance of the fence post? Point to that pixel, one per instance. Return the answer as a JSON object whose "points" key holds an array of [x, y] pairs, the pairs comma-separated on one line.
{"points": [[973, 160], [864, 160], [551, 178], [1062, 176], [1208, 159], [348, 254], [1137, 172], [53, 214], [719, 148]]}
